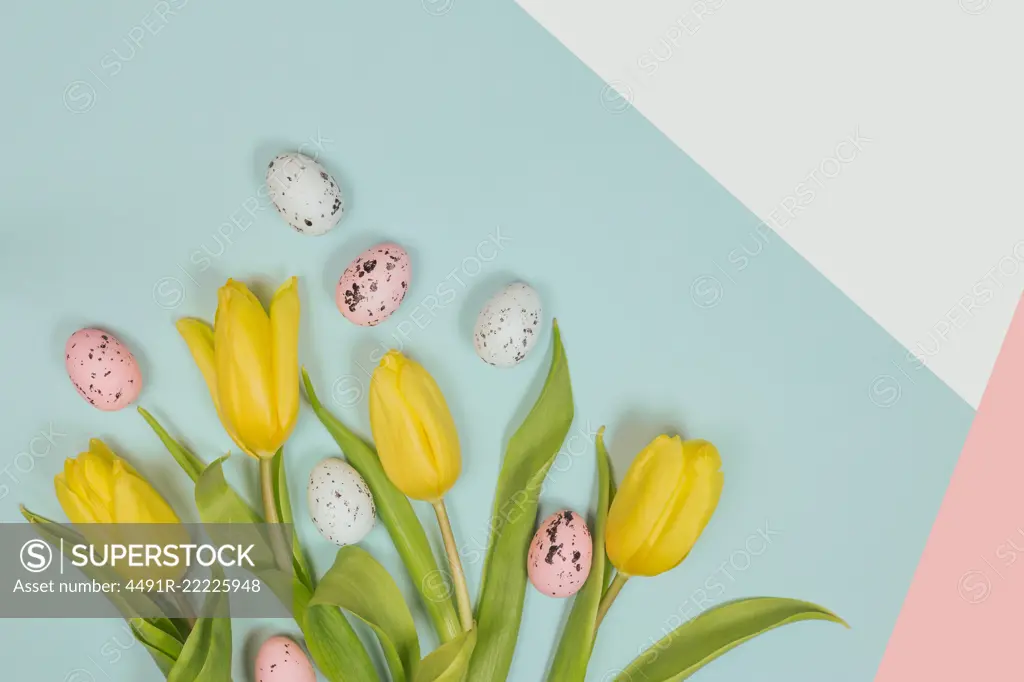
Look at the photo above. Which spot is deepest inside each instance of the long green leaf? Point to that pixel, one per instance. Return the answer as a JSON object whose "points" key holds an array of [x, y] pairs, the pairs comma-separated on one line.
{"points": [[608, 568], [284, 511], [189, 463], [449, 662], [358, 584], [530, 453], [164, 647], [701, 640], [206, 656], [332, 642], [128, 604], [577, 641], [399, 518], [162, 637]]}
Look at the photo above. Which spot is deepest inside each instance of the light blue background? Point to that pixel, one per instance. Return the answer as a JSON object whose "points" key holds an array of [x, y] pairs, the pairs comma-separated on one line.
{"points": [[122, 166]]}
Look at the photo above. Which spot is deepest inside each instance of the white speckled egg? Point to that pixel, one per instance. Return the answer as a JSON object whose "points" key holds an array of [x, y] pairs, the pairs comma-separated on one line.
{"points": [[340, 502], [374, 284], [560, 554], [304, 193], [282, 660], [508, 325], [102, 369]]}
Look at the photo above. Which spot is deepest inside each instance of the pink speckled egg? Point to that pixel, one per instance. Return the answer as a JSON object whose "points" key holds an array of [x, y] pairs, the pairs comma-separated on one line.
{"points": [[374, 284], [560, 554], [102, 369], [282, 660]]}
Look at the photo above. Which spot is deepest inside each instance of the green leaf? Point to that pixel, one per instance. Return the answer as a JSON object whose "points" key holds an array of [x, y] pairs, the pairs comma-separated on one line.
{"points": [[332, 642], [128, 604], [449, 662], [609, 569], [530, 453], [163, 646], [399, 518], [190, 464], [206, 656], [218, 503], [577, 641], [162, 637], [358, 584], [701, 640], [284, 512]]}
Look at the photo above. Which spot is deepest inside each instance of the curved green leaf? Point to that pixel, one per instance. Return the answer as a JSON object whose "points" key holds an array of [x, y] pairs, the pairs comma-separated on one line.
{"points": [[701, 640], [399, 518], [358, 584], [449, 662], [609, 570], [128, 604], [162, 637], [284, 512], [577, 643], [163, 646], [190, 464], [332, 642], [530, 453], [206, 655]]}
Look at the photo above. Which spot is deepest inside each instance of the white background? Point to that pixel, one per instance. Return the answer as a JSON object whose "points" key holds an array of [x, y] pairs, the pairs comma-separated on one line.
{"points": [[917, 222]]}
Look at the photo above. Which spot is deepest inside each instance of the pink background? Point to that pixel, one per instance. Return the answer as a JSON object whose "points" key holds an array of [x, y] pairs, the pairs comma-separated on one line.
{"points": [[962, 616]]}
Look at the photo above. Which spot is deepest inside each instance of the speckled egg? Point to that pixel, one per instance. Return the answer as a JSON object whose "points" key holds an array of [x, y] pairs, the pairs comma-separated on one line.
{"points": [[374, 284], [560, 554], [340, 502], [304, 193], [102, 369], [282, 660], [509, 325]]}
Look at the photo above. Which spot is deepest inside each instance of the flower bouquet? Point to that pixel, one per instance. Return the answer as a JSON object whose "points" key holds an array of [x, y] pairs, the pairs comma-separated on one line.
{"points": [[249, 361]]}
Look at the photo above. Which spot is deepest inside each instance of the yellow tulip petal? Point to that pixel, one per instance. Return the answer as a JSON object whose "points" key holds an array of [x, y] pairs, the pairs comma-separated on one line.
{"points": [[101, 450], [198, 336], [647, 489], [76, 509], [135, 501], [401, 444], [242, 355], [688, 513], [97, 472], [77, 482], [284, 329], [424, 399]]}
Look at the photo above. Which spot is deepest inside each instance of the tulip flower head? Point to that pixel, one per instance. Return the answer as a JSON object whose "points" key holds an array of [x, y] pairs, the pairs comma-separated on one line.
{"points": [[250, 362], [413, 429], [100, 487], [104, 494], [665, 501]]}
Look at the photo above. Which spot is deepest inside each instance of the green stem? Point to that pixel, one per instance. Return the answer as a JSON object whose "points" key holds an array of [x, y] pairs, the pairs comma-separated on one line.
{"points": [[609, 596], [458, 575], [278, 545]]}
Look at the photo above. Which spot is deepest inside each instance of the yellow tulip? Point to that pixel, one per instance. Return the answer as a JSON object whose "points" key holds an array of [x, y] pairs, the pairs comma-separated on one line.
{"points": [[419, 449], [665, 501], [250, 362], [413, 429], [100, 487]]}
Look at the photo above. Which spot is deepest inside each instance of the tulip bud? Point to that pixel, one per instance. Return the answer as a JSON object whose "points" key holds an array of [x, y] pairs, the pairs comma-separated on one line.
{"points": [[665, 501], [250, 362], [413, 429], [98, 487]]}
